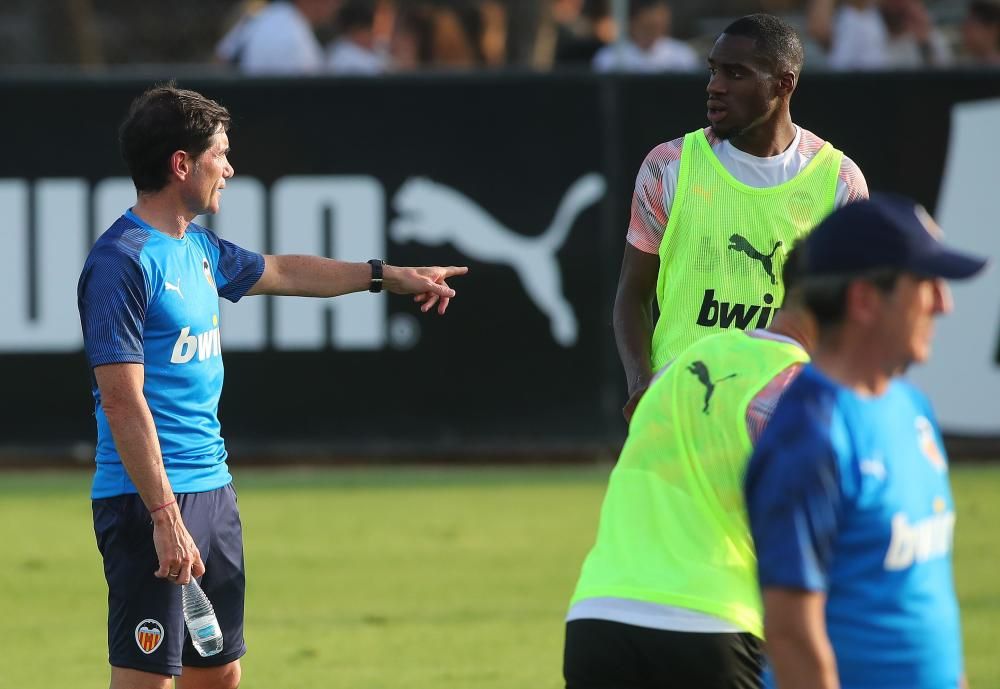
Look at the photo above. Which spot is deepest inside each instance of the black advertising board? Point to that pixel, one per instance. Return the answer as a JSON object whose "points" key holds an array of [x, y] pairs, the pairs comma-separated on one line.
{"points": [[527, 179], [353, 170]]}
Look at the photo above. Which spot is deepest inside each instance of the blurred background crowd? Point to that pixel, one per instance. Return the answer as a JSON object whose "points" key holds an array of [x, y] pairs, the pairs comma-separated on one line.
{"points": [[373, 37]]}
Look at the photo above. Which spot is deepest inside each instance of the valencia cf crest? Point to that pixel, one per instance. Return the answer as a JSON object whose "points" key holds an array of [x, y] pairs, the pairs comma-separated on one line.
{"points": [[927, 440], [149, 635], [206, 268]]}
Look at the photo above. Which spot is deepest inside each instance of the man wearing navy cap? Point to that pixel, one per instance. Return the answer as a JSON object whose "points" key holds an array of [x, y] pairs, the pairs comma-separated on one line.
{"points": [[847, 491]]}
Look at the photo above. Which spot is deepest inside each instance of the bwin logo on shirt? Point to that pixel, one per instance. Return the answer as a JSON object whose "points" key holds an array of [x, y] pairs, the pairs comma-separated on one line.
{"points": [[921, 541], [728, 314], [205, 344]]}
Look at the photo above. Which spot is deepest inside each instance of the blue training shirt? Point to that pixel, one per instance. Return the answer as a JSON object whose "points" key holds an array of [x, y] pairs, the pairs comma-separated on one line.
{"points": [[849, 495], [148, 298]]}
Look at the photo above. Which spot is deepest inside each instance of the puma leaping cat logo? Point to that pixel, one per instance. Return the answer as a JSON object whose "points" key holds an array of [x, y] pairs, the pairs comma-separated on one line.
{"points": [[700, 370], [175, 288], [433, 213], [742, 244]]}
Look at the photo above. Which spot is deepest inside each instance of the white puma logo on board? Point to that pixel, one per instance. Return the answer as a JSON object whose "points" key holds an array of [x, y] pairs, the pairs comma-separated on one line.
{"points": [[432, 213]]}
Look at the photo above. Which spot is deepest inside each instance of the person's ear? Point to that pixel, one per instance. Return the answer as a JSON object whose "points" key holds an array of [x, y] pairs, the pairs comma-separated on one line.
{"points": [[785, 83], [181, 165], [863, 302]]}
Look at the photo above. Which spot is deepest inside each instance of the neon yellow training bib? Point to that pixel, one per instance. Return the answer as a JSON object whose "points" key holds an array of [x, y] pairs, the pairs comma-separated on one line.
{"points": [[725, 244], [673, 527]]}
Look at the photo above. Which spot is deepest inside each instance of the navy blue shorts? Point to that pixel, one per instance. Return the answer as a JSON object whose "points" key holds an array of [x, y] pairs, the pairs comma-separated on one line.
{"points": [[145, 623]]}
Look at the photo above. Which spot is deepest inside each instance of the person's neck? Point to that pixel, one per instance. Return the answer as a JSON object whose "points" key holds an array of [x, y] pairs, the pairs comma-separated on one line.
{"points": [[161, 212], [852, 361], [768, 138], [794, 323]]}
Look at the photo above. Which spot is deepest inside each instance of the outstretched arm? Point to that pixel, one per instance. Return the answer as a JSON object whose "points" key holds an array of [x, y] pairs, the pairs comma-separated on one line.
{"points": [[315, 276], [633, 321]]}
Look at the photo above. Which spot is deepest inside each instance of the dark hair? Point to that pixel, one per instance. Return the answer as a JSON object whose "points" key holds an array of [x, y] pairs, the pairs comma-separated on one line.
{"points": [[826, 296], [596, 9], [985, 11], [775, 40], [791, 271], [637, 7], [356, 14], [161, 121]]}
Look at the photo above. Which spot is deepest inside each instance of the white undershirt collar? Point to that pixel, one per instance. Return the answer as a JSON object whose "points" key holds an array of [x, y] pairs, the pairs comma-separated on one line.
{"points": [[777, 160]]}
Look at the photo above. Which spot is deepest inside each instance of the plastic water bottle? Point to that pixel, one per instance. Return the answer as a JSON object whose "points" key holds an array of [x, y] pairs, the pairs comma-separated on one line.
{"points": [[206, 635]]}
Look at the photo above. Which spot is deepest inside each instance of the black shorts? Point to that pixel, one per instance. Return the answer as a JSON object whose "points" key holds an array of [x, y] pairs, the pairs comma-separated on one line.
{"points": [[145, 623], [600, 654]]}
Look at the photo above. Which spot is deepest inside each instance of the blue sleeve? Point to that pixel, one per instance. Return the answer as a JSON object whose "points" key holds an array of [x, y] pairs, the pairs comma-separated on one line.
{"points": [[112, 297], [794, 497], [236, 269]]}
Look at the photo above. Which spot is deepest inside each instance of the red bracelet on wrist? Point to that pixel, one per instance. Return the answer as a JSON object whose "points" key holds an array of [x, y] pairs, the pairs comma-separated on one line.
{"points": [[166, 504]]}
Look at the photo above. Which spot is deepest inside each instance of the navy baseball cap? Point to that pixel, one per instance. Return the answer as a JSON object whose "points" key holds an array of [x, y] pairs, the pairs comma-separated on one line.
{"points": [[888, 231]]}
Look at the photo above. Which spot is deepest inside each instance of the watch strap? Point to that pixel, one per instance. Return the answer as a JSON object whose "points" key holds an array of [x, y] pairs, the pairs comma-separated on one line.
{"points": [[376, 284]]}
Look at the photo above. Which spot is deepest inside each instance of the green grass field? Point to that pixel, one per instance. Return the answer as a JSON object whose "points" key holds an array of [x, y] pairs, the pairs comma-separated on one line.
{"points": [[388, 577]]}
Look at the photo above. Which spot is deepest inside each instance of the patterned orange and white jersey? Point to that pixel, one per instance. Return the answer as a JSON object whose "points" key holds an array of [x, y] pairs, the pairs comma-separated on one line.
{"points": [[656, 182]]}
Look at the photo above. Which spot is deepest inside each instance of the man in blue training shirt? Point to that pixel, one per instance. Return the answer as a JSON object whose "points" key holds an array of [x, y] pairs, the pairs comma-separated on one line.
{"points": [[847, 491], [164, 508]]}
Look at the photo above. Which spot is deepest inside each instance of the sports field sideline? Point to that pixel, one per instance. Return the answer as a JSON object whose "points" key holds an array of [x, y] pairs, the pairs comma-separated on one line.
{"points": [[386, 577]]}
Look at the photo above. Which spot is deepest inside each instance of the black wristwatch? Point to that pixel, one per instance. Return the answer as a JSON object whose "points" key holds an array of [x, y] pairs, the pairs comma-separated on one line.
{"points": [[376, 285]]}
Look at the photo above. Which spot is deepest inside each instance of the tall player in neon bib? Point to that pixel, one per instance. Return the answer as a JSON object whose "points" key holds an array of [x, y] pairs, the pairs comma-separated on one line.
{"points": [[715, 212]]}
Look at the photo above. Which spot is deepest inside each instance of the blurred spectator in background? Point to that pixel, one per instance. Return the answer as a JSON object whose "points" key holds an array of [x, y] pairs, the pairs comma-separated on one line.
{"points": [[981, 33], [752, 168], [877, 34], [412, 38], [493, 38], [914, 41], [578, 29], [649, 47], [280, 38], [854, 37], [469, 14], [356, 51], [429, 36]]}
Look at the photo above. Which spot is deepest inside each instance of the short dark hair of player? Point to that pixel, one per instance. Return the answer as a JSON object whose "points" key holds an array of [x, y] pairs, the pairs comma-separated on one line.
{"points": [[791, 271], [791, 276], [161, 121], [777, 43], [826, 296]]}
